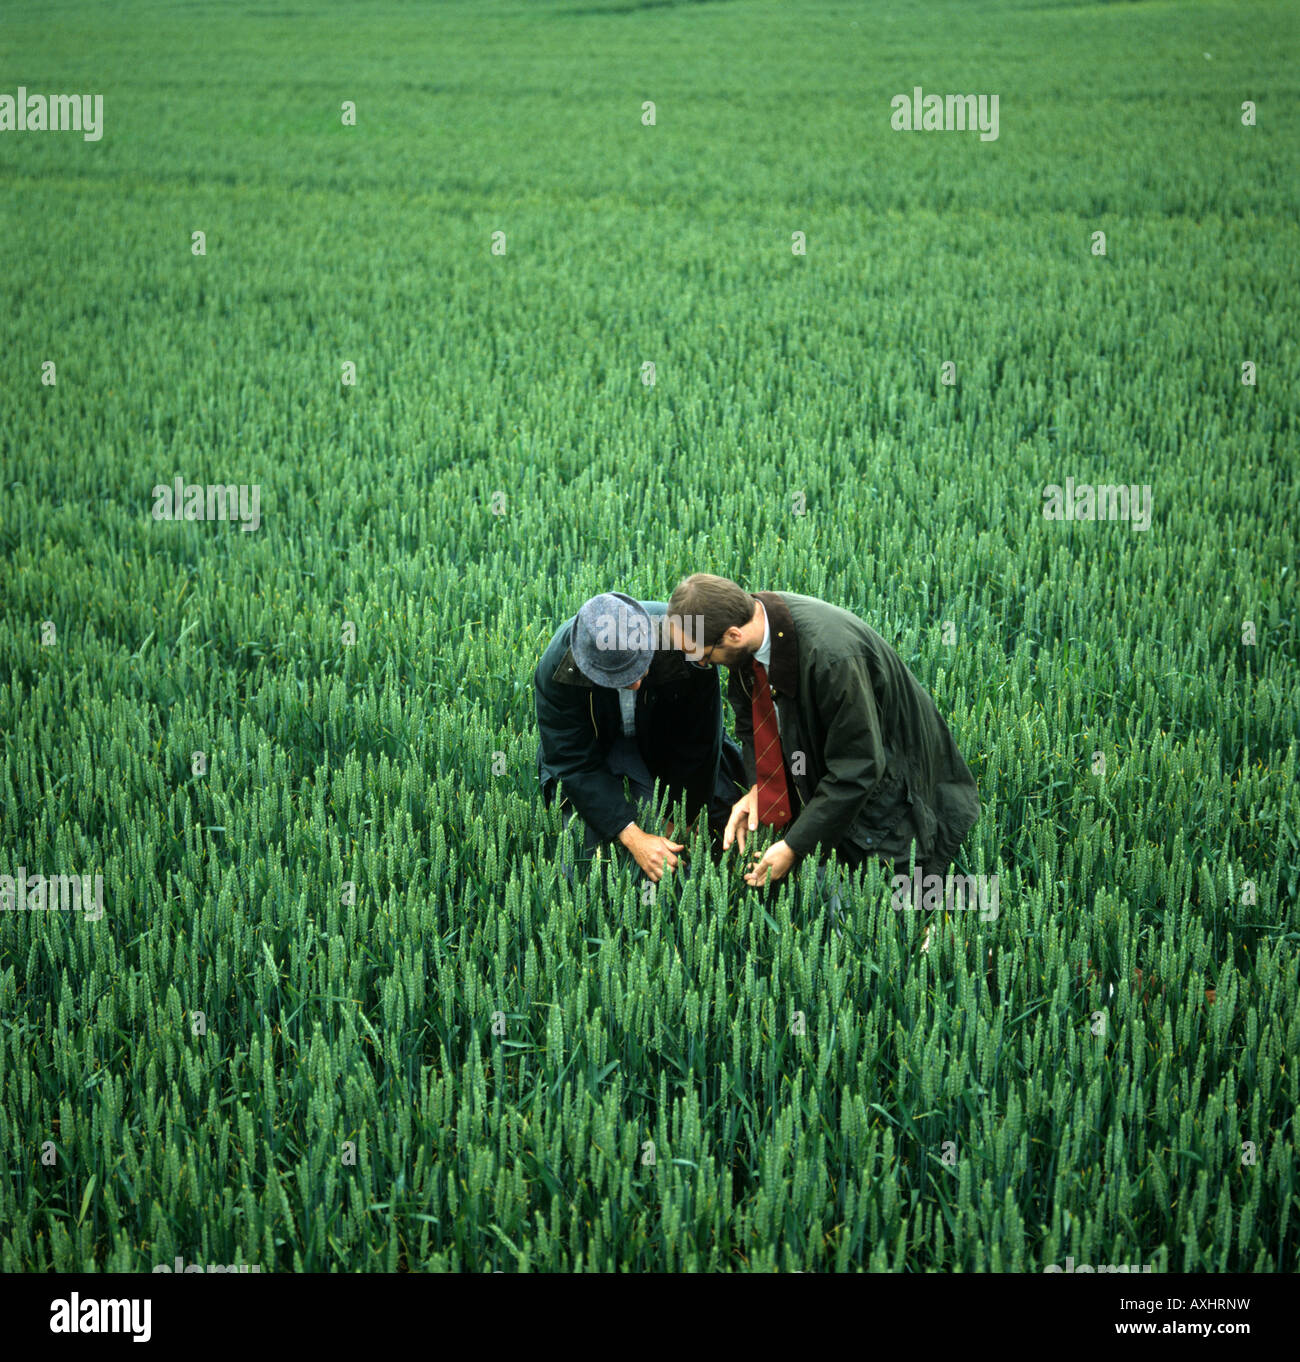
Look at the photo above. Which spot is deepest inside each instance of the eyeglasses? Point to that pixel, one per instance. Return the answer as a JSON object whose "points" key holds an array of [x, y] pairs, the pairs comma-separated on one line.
{"points": [[704, 661]]}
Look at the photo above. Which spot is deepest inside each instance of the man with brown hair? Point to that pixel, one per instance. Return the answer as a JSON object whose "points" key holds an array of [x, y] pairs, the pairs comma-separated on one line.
{"points": [[842, 745]]}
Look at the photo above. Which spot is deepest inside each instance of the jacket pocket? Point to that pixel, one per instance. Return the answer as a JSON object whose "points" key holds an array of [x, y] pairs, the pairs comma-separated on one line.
{"points": [[874, 829], [920, 822], [889, 802]]}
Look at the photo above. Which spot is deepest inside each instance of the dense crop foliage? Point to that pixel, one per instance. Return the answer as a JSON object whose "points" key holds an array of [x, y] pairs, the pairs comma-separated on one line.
{"points": [[460, 1064]]}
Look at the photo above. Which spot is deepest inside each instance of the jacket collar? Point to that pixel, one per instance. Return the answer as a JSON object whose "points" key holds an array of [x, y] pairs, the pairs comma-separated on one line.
{"points": [[567, 672], [783, 674]]}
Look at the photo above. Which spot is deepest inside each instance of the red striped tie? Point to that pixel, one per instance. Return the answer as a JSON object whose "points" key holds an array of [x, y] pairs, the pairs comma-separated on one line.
{"points": [[773, 796]]}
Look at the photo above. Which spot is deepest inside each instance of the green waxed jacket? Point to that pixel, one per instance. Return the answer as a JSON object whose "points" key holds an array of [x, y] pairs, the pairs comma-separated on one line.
{"points": [[867, 752]]}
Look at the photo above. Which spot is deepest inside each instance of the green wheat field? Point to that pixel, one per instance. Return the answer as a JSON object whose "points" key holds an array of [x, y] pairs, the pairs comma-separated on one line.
{"points": [[342, 1011]]}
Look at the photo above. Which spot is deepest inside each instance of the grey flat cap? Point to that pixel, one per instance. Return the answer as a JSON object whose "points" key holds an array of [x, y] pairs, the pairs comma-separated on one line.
{"points": [[613, 640]]}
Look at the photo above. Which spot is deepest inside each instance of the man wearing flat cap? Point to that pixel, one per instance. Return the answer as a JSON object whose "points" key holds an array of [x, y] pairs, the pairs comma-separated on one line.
{"points": [[616, 702]]}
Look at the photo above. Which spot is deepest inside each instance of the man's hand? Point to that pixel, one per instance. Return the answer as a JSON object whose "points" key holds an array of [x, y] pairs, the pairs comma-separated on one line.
{"points": [[655, 855], [776, 862], [744, 816]]}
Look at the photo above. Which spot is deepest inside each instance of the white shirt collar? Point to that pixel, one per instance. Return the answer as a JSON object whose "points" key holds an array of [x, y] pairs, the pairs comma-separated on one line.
{"points": [[764, 654]]}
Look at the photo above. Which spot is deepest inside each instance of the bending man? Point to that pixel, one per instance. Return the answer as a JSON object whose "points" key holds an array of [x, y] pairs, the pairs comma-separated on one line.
{"points": [[615, 703], [843, 747]]}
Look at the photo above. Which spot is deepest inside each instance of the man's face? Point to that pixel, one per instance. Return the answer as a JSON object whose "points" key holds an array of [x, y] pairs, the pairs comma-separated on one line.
{"points": [[727, 652]]}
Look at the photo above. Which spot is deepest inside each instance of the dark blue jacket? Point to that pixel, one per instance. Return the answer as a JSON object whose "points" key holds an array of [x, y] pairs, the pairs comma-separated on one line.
{"points": [[678, 732]]}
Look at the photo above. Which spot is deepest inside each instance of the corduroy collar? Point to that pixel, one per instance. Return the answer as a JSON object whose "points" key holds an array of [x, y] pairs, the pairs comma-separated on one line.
{"points": [[783, 674], [567, 672]]}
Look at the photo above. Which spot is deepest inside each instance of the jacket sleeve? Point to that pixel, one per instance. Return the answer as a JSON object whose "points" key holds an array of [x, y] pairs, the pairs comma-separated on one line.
{"points": [[739, 685], [854, 757], [569, 748]]}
